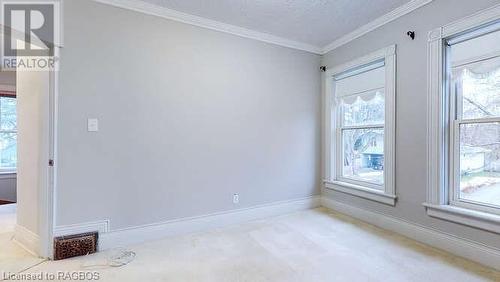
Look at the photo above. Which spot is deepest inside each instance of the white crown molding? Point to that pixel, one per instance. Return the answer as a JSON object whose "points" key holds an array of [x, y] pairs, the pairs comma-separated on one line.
{"points": [[465, 248], [156, 231], [387, 18], [155, 10]]}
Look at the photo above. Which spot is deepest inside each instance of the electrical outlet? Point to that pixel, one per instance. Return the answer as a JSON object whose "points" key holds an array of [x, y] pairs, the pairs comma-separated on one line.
{"points": [[236, 199]]}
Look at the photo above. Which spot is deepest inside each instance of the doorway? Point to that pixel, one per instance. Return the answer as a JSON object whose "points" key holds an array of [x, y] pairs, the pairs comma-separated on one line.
{"points": [[15, 254], [31, 169], [8, 151], [27, 126]]}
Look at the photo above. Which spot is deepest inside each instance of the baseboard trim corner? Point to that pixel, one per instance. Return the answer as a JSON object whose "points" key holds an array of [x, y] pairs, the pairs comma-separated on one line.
{"points": [[156, 231], [465, 248], [27, 239]]}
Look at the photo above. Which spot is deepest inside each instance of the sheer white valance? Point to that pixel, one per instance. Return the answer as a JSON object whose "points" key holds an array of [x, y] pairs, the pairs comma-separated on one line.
{"points": [[483, 67], [362, 97]]}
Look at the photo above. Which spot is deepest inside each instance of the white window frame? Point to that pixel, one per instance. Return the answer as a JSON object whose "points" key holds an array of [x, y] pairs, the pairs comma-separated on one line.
{"points": [[442, 155], [332, 140]]}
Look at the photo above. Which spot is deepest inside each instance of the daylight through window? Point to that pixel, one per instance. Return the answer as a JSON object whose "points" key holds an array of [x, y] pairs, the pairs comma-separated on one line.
{"points": [[8, 134], [361, 103], [475, 112]]}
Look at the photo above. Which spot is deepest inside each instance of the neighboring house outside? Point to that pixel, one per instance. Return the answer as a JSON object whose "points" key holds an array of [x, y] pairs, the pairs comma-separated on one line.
{"points": [[373, 157], [372, 153], [473, 159]]}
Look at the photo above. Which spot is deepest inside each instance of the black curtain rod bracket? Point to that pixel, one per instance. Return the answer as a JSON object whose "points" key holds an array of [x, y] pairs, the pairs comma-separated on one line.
{"points": [[411, 34]]}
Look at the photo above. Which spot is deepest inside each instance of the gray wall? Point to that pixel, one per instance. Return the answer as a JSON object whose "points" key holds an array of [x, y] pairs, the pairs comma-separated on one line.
{"points": [[188, 116], [411, 109], [8, 187], [8, 78]]}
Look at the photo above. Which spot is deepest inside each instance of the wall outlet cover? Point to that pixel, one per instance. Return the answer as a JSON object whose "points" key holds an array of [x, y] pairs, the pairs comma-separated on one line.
{"points": [[92, 125]]}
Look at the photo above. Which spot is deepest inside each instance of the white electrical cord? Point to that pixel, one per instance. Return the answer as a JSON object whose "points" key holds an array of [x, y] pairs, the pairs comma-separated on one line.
{"points": [[120, 259]]}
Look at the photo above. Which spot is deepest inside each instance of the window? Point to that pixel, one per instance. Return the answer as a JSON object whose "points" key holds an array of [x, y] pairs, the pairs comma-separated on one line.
{"points": [[8, 133], [464, 123], [361, 95], [474, 65]]}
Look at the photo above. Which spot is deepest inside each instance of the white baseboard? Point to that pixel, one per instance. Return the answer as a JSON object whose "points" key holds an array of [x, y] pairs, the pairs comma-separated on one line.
{"points": [[99, 226], [465, 248], [124, 237], [27, 239]]}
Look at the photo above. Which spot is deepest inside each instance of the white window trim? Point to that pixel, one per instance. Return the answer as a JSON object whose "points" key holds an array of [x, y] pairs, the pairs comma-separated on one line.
{"points": [[387, 194], [8, 175], [439, 171]]}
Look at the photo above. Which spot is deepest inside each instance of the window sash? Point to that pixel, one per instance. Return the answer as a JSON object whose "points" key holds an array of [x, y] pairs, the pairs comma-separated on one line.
{"points": [[455, 176], [340, 120], [339, 154], [339, 157], [371, 126], [456, 119]]}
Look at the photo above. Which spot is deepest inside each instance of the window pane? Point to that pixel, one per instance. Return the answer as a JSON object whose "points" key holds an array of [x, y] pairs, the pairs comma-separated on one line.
{"points": [[364, 109], [8, 114], [364, 155], [480, 163], [8, 150]]}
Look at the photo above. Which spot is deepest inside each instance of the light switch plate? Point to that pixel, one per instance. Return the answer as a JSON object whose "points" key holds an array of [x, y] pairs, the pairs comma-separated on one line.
{"points": [[93, 125]]}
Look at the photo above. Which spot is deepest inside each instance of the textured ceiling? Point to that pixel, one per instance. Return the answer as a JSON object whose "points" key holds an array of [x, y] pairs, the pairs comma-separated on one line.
{"points": [[316, 22]]}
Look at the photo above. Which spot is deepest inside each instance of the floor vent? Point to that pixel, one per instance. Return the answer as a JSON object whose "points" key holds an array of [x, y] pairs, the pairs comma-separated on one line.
{"points": [[75, 245]]}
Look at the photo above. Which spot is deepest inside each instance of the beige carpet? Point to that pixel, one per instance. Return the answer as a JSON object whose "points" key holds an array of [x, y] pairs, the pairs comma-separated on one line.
{"points": [[314, 245], [13, 258], [7, 218]]}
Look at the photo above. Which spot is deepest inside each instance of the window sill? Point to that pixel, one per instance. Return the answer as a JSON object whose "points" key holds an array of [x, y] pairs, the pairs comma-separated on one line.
{"points": [[360, 191], [482, 220], [8, 175]]}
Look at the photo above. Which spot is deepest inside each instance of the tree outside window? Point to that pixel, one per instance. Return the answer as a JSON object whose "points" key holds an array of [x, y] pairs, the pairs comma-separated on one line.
{"points": [[8, 133]]}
